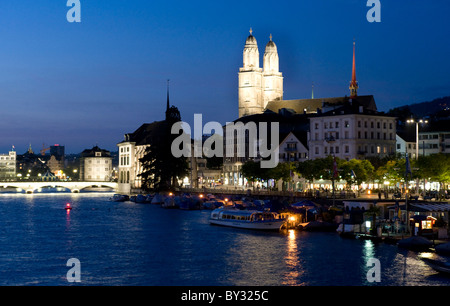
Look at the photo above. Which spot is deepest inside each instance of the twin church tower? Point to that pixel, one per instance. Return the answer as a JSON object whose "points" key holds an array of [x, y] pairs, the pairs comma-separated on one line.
{"points": [[258, 86]]}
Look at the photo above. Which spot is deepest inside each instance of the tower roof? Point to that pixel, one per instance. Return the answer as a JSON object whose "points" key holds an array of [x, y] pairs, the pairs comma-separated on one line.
{"points": [[251, 40], [353, 84], [271, 46]]}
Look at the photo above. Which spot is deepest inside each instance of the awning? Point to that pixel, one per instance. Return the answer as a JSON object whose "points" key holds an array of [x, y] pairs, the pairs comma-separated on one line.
{"points": [[436, 207]]}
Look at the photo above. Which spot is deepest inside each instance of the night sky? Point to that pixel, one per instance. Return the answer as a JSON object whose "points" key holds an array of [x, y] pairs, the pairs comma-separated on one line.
{"points": [[88, 83]]}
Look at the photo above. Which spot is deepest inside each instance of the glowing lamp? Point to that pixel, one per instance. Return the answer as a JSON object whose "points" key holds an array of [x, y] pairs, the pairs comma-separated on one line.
{"points": [[68, 207]]}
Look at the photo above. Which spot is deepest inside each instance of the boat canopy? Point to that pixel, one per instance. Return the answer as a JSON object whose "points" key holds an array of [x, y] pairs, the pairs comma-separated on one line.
{"points": [[243, 214]]}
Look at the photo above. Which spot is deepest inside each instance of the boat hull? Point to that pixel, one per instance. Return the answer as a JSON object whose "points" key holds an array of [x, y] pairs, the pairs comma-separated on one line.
{"points": [[273, 225], [438, 265]]}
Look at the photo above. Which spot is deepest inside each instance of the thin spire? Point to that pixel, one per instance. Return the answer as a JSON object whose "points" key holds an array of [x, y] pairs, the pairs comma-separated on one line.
{"points": [[251, 31], [270, 36], [312, 91], [353, 84], [168, 104]]}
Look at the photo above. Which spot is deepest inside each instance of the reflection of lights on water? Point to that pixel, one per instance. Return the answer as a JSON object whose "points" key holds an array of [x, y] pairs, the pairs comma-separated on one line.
{"points": [[291, 259], [292, 236], [426, 255], [368, 250]]}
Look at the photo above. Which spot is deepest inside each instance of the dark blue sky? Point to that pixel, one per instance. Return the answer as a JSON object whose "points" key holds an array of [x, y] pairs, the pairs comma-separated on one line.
{"points": [[81, 84]]}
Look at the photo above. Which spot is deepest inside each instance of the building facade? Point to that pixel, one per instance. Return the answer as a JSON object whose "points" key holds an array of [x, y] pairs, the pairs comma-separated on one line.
{"points": [[405, 146], [96, 165], [347, 134], [434, 142], [258, 86], [8, 166]]}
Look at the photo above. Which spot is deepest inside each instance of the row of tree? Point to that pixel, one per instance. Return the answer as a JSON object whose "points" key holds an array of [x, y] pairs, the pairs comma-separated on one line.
{"points": [[394, 169]]}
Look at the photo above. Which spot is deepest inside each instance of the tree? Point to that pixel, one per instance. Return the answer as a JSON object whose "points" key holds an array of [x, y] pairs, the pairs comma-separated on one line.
{"points": [[362, 170], [161, 169], [435, 167], [251, 171]]}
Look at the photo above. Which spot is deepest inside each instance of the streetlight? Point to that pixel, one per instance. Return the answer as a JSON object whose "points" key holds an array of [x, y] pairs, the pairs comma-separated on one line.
{"points": [[417, 134]]}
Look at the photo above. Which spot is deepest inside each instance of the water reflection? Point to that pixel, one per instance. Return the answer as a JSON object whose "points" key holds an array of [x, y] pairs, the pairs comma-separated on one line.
{"points": [[292, 260]]}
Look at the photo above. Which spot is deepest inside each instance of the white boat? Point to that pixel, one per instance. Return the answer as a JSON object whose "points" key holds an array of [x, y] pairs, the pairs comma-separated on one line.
{"points": [[249, 219]]}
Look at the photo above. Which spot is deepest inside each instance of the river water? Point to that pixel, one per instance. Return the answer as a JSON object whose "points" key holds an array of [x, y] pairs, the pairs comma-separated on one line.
{"points": [[143, 244]]}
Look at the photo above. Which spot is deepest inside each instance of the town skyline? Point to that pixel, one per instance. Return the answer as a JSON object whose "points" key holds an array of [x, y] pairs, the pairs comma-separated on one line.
{"points": [[84, 84]]}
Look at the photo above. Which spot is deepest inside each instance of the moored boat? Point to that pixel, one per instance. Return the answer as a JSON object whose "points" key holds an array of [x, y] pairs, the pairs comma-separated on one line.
{"points": [[119, 198], [440, 266], [248, 219]]}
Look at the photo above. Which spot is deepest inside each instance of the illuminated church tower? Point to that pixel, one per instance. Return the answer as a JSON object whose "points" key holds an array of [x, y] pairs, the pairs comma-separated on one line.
{"points": [[273, 79], [251, 99]]}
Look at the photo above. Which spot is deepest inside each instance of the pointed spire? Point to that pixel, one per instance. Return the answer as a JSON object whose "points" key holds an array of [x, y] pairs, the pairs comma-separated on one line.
{"points": [[312, 91], [353, 84], [168, 104], [251, 31], [270, 36]]}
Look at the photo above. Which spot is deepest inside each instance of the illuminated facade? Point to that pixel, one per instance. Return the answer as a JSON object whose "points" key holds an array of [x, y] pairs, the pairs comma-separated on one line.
{"points": [[351, 132], [258, 86], [8, 166], [95, 165]]}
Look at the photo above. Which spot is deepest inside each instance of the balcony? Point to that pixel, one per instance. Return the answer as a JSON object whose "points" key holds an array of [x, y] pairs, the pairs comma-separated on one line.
{"points": [[290, 149]]}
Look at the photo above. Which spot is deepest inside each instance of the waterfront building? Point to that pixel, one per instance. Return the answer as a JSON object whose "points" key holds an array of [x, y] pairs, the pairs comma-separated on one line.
{"points": [[96, 165], [8, 166], [434, 138], [131, 150], [293, 147], [56, 161], [406, 144], [352, 131]]}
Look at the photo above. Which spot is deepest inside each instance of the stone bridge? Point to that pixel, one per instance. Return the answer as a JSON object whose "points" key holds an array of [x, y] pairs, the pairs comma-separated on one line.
{"points": [[31, 187]]}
